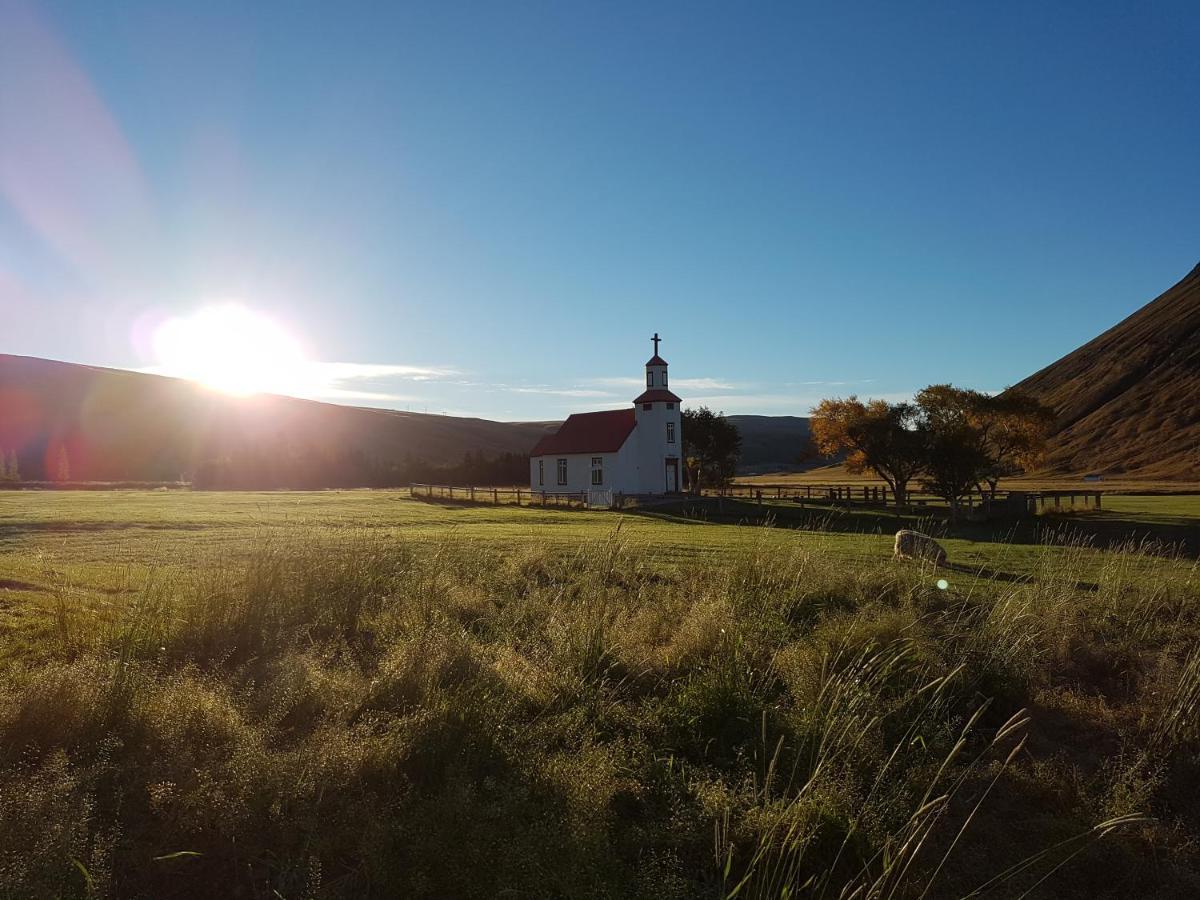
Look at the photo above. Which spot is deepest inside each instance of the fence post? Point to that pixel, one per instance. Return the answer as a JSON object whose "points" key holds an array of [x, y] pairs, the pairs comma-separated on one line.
{"points": [[496, 496]]}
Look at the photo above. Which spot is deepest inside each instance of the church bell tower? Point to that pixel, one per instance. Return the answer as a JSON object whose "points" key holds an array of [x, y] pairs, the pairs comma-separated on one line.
{"points": [[660, 436]]}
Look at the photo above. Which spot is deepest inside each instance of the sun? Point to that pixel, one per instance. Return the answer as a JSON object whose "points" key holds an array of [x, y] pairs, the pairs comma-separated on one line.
{"points": [[231, 348]]}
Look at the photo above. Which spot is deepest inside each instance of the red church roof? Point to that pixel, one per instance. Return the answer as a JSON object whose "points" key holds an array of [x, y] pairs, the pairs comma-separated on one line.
{"points": [[656, 394], [595, 432], [656, 360]]}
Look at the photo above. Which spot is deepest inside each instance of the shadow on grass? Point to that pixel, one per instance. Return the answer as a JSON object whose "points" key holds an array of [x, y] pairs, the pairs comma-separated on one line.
{"points": [[11, 584], [987, 573], [1101, 530], [15, 529]]}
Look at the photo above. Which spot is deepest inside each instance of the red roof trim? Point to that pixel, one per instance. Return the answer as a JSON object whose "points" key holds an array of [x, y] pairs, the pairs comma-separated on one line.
{"points": [[595, 432], [656, 360], [654, 394]]}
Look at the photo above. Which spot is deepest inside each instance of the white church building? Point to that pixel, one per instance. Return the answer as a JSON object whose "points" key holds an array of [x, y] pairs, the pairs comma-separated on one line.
{"points": [[636, 450]]}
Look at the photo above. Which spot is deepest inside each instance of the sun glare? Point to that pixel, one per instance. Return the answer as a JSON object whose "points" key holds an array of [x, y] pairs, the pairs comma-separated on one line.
{"points": [[233, 349]]}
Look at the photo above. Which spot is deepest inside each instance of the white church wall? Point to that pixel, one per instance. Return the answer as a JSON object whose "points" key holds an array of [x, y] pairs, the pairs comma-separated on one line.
{"points": [[620, 471], [653, 448]]}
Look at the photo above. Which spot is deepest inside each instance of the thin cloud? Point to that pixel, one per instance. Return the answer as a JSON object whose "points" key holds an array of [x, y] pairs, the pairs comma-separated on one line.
{"points": [[684, 384], [561, 392], [621, 381], [795, 404], [342, 394], [349, 371], [828, 383]]}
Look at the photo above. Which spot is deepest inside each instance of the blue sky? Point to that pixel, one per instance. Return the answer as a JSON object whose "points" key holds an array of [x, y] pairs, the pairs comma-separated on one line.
{"points": [[487, 209]]}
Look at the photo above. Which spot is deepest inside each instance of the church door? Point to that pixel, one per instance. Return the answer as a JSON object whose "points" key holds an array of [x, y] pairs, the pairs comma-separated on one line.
{"points": [[672, 476]]}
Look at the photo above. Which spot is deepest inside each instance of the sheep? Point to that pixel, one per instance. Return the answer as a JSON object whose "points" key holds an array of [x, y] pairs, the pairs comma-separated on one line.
{"points": [[914, 545]]}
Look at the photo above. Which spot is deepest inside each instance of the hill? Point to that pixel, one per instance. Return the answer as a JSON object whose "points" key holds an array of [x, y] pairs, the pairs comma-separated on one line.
{"points": [[1129, 401], [770, 443], [105, 424], [114, 425]]}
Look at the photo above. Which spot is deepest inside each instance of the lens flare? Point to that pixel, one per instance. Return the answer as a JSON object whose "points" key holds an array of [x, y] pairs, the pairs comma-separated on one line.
{"points": [[233, 349], [943, 584]]}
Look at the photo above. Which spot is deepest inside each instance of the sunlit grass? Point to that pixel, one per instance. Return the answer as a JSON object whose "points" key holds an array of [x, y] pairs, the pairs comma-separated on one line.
{"points": [[354, 694]]}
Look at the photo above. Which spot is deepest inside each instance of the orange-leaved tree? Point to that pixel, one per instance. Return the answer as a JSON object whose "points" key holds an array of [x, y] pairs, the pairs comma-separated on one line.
{"points": [[886, 438]]}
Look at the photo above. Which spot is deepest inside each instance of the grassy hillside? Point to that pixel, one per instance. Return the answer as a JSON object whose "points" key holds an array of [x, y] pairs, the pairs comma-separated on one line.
{"points": [[1129, 401], [771, 443], [355, 694], [115, 425]]}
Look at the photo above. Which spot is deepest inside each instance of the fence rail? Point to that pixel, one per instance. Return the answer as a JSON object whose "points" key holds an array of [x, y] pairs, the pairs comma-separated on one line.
{"points": [[515, 496], [881, 495], [822, 495]]}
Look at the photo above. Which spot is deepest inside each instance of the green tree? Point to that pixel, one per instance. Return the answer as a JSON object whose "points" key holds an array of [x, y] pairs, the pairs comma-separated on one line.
{"points": [[1010, 428], [712, 446], [887, 438], [955, 459]]}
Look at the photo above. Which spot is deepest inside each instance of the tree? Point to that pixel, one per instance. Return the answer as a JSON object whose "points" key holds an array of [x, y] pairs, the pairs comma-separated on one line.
{"points": [[955, 457], [711, 448], [1011, 427], [1015, 427], [887, 438]]}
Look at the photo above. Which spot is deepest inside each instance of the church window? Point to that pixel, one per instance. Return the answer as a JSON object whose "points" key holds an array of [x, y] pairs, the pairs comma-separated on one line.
{"points": [[646, 407], [562, 471], [664, 377], [541, 472], [670, 432], [649, 379], [597, 470], [670, 406]]}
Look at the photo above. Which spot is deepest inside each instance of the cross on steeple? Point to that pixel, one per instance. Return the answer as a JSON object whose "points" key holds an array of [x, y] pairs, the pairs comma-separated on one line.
{"points": [[656, 339]]}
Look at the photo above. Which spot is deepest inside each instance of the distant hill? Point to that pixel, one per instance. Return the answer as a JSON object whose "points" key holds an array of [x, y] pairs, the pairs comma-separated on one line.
{"points": [[114, 425], [771, 443], [1129, 401]]}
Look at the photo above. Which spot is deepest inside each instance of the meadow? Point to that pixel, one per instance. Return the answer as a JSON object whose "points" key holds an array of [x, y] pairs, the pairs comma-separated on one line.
{"points": [[347, 694]]}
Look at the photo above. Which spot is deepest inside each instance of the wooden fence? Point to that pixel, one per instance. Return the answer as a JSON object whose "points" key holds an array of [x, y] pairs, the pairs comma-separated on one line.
{"points": [[880, 495], [843, 495], [515, 496]]}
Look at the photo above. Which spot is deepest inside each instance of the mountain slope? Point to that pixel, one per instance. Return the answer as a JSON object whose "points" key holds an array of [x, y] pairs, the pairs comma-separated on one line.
{"points": [[1129, 400], [771, 443], [113, 425]]}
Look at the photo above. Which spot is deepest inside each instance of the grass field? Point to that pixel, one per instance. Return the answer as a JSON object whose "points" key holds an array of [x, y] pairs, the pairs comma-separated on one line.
{"points": [[346, 694]]}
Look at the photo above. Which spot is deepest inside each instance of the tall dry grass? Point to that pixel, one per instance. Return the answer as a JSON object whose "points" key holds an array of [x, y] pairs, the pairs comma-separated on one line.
{"points": [[342, 714]]}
